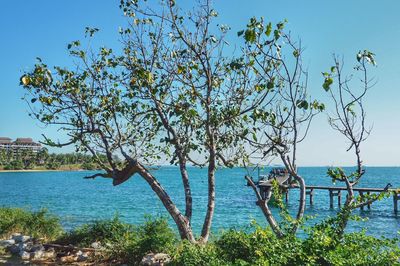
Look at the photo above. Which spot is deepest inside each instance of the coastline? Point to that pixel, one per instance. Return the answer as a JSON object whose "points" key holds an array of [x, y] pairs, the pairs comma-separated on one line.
{"points": [[41, 170]]}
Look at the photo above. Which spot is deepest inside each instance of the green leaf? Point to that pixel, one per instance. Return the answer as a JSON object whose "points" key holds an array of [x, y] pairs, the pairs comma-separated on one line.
{"points": [[258, 88], [213, 13], [192, 112], [281, 25], [302, 104], [269, 29], [240, 33], [254, 136], [250, 36], [270, 84], [277, 34], [181, 69], [327, 83]]}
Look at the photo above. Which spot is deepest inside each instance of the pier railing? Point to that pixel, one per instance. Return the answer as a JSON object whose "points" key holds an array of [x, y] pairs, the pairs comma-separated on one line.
{"points": [[335, 192]]}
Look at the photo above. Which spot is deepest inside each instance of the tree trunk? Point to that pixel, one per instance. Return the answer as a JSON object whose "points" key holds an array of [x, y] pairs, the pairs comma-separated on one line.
{"points": [[302, 185], [302, 201], [205, 233], [263, 204], [186, 187], [183, 224], [269, 216]]}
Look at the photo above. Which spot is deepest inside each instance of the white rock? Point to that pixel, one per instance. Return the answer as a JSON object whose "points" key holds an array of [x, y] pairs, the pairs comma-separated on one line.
{"points": [[25, 255], [96, 245], [38, 254], [24, 246], [14, 249], [20, 238], [15, 235], [83, 257], [49, 254], [37, 247], [68, 259], [7, 242], [158, 259]]}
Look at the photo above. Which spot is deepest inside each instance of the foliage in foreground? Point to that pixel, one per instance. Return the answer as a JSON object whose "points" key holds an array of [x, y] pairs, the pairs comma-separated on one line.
{"points": [[259, 246], [125, 243], [39, 224]]}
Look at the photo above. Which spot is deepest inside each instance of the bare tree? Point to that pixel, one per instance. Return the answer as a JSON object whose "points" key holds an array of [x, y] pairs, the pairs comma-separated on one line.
{"points": [[283, 121], [349, 119]]}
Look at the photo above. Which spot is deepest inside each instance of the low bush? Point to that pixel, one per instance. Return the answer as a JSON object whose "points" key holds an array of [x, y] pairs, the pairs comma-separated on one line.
{"points": [[354, 249], [105, 231], [124, 243], [195, 254], [88, 166], [154, 236], [53, 165], [260, 246], [38, 224], [14, 165]]}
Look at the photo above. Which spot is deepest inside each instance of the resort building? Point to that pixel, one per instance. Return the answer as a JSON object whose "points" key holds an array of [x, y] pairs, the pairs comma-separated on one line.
{"points": [[19, 145]]}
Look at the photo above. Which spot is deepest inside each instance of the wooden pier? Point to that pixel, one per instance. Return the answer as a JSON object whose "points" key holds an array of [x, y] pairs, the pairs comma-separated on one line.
{"points": [[265, 184]]}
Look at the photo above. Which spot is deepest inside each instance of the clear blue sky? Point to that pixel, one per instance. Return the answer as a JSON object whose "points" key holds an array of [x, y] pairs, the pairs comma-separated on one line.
{"points": [[43, 28]]}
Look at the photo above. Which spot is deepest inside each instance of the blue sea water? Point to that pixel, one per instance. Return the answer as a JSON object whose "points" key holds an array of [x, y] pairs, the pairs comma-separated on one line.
{"points": [[77, 200]]}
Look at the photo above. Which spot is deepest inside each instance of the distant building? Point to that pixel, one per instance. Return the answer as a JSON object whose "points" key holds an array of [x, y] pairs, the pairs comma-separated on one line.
{"points": [[19, 145]]}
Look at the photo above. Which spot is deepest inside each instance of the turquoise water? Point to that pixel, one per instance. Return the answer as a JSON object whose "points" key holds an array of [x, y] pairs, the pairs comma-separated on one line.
{"points": [[78, 201]]}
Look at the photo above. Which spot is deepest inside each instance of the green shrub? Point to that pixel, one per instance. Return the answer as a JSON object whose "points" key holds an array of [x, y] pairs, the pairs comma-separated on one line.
{"points": [[124, 243], [14, 165], [105, 231], [260, 246], [361, 249], [193, 255], [38, 224], [8, 167], [235, 245], [88, 166], [128, 244], [354, 249], [53, 165], [155, 235]]}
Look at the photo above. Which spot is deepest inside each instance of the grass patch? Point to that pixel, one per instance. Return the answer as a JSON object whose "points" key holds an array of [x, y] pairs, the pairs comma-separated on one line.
{"points": [[39, 224]]}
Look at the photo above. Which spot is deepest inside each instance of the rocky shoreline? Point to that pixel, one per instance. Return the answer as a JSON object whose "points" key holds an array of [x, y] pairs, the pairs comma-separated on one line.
{"points": [[26, 250], [29, 250]]}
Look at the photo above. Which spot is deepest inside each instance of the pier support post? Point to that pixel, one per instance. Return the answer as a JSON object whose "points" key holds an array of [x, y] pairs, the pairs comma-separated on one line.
{"points": [[311, 193], [369, 205], [287, 196], [395, 202], [332, 193]]}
